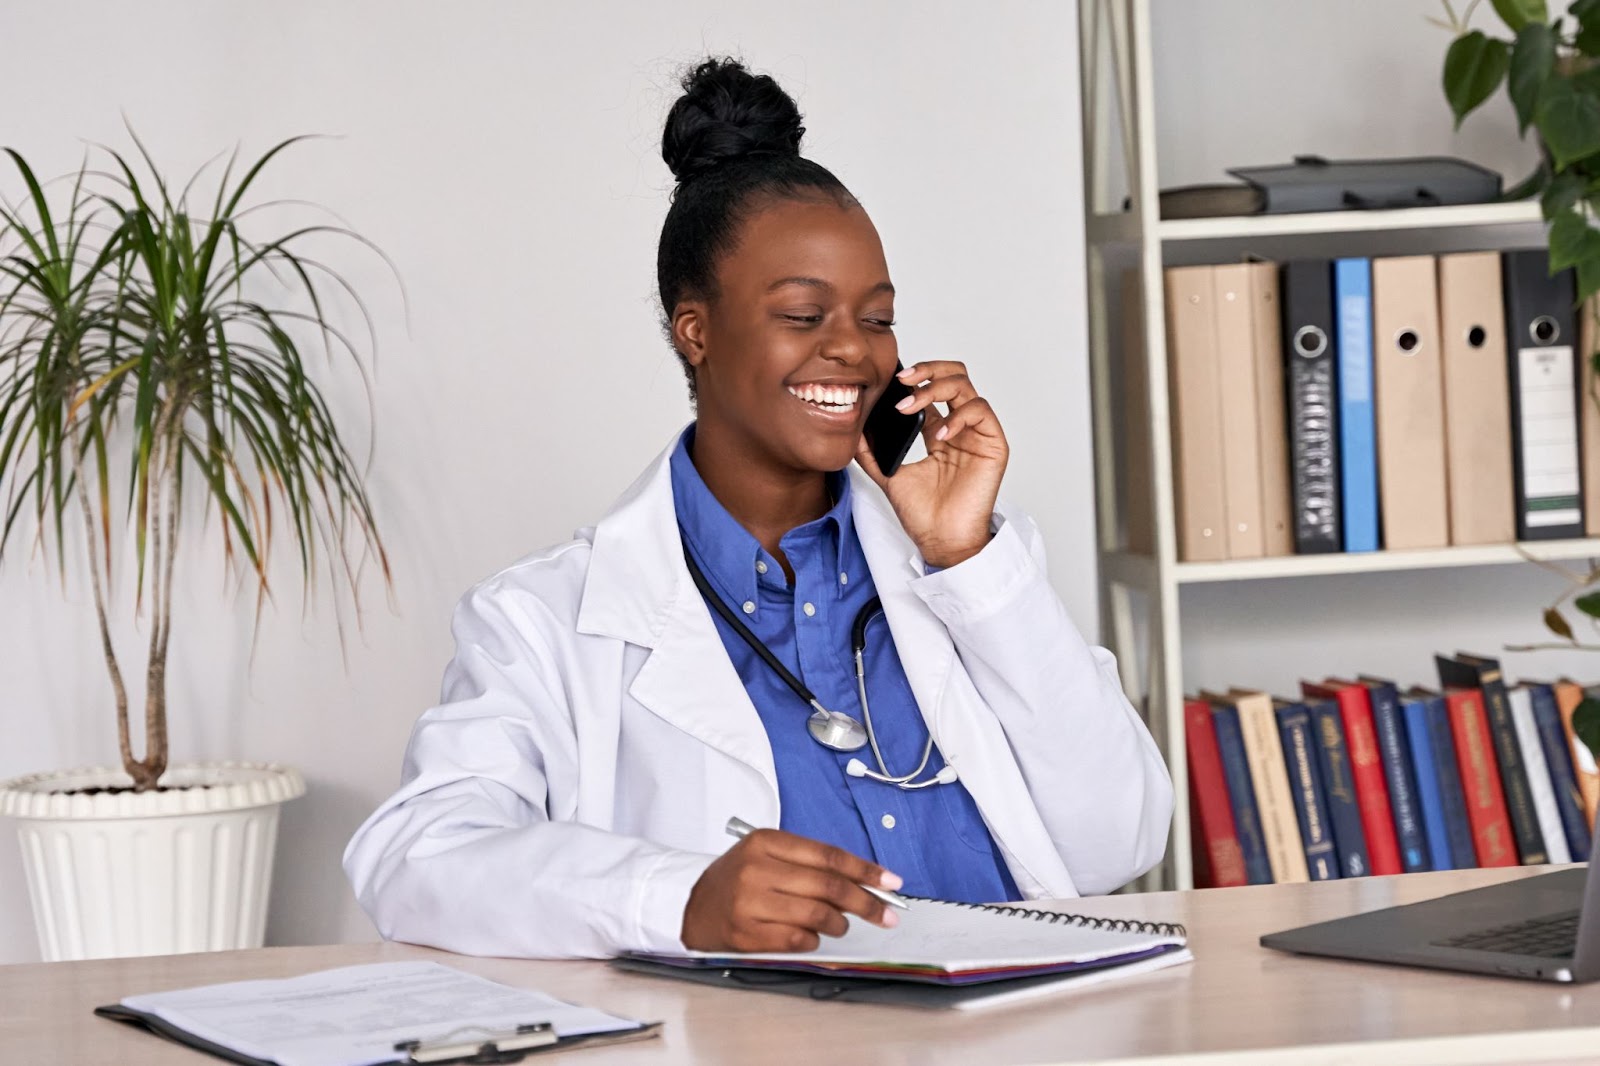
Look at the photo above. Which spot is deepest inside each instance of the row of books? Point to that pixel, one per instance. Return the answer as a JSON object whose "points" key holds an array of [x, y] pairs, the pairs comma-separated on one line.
{"points": [[1327, 405], [1359, 777]]}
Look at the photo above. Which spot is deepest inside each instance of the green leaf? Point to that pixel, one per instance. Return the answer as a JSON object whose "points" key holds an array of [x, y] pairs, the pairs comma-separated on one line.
{"points": [[1569, 121], [1557, 624], [1587, 13], [1586, 724], [1563, 194], [1533, 59], [1474, 67], [1588, 277], [1589, 604], [1518, 13], [1571, 240]]}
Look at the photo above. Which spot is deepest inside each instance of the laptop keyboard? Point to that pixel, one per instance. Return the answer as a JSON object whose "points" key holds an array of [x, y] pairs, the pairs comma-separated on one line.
{"points": [[1553, 937]]}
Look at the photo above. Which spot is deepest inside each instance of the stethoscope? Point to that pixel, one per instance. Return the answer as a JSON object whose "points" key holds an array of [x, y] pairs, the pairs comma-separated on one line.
{"points": [[834, 730]]}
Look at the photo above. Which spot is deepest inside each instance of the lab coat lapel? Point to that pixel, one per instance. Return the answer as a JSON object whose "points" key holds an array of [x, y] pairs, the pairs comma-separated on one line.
{"points": [[966, 730], [926, 651], [638, 589]]}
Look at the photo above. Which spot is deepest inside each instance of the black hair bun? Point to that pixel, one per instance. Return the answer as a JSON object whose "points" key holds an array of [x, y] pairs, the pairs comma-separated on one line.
{"points": [[727, 113]]}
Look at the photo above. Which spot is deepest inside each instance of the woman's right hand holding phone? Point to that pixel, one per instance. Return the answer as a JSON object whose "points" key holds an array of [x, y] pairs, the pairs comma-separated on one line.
{"points": [[777, 892]]}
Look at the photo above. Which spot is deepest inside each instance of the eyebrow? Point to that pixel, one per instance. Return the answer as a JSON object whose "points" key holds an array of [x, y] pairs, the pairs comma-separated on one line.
{"points": [[819, 283]]}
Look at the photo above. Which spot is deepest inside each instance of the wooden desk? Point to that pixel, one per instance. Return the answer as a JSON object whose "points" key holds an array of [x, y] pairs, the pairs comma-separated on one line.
{"points": [[1235, 999]]}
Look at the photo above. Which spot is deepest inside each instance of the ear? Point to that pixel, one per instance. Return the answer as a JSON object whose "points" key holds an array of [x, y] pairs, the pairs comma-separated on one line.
{"points": [[689, 325]]}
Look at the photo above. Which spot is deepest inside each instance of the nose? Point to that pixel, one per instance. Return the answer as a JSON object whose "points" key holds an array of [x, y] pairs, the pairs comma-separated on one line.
{"points": [[846, 342]]}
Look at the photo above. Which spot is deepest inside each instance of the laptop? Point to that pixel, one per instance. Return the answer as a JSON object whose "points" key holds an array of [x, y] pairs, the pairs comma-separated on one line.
{"points": [[1545, 927]]}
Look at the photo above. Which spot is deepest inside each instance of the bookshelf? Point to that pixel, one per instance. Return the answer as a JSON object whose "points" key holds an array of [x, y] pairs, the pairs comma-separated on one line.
{"points": [[1140, 594]]}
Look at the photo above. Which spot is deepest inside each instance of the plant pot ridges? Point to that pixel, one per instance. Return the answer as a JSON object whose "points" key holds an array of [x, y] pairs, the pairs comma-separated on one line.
{"points": [[192, 788], [151, 873]]}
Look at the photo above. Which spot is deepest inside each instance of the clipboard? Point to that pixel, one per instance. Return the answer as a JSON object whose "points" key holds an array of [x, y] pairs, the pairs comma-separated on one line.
{"points": [[487, 1048]]}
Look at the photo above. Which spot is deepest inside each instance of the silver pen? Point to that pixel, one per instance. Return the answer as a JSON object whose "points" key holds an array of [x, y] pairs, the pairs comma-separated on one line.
{"points": [[738, 827]]}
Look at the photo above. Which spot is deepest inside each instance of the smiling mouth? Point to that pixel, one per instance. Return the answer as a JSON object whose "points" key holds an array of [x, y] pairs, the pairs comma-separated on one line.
{"points": [[834, 399]]}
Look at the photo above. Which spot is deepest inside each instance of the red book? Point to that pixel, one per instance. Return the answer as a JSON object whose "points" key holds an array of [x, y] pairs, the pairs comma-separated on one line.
{"points": [[1480, 778], [1218, 862], [1366, 770]]}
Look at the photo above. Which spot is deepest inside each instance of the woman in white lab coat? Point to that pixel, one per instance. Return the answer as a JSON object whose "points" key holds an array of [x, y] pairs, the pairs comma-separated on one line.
{"points": [[600, 722]]}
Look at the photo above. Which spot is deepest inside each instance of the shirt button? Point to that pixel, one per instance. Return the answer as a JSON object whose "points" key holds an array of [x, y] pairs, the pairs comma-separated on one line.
{"points": [[761, 566], [844, 578], [888, 821], [809, 609], [749, 606]]}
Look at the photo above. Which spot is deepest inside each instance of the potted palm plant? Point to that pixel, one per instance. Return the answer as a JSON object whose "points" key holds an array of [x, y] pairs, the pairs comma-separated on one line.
{"points": [[154, 379]]}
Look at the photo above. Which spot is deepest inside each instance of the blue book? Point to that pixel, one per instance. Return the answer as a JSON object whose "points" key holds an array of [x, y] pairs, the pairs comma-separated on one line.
{"points": [[1395, 754], [1424, 763], [1452, 796], [1553, 739], [1358, 435], [1305, 785], [1339, 788], [1241, 794]]}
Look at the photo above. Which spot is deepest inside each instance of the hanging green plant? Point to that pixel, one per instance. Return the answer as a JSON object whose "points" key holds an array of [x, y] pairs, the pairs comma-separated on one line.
{"points": [[1551, 71]]}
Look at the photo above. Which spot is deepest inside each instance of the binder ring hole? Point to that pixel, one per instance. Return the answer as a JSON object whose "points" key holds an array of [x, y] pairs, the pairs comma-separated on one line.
{"points": [[1544, 330], [1477, 336], [1408, 341], [1310, 342]]}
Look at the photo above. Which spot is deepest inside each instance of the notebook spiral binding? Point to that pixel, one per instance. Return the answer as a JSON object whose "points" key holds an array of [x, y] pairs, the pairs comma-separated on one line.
{"points": [[1082, 921]]}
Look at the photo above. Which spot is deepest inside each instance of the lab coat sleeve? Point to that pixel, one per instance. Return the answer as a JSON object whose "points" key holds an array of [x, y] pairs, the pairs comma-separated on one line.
{"points": [[1093, 770], [466, 855]]}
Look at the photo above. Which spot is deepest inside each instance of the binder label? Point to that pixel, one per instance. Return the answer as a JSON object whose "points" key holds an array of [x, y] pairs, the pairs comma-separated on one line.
{"points": [[1549, 425]]}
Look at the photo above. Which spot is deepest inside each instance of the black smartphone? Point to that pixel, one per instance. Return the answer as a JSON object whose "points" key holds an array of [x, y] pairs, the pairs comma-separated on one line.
{"points": [[890, 432]]}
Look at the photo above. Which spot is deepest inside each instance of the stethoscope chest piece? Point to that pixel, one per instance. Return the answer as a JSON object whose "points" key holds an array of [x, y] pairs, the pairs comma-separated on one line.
{"points": [[836, 731]]}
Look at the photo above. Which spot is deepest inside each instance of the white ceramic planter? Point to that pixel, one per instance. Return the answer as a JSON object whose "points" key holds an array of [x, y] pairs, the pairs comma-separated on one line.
{"points": [[152, 873]]}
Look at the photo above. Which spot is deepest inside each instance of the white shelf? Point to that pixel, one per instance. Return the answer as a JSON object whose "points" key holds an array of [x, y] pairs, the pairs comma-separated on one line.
{"points": [[1141, 594], [1373, 562], [1521, 213]]}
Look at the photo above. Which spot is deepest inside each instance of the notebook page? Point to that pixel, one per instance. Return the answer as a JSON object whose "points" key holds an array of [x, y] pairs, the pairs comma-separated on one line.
{"points": [[353, 1016], [954, 937]]}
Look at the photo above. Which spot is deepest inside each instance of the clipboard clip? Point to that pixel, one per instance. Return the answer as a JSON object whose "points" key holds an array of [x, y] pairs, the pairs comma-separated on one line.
{"points": [[475, 1044]]}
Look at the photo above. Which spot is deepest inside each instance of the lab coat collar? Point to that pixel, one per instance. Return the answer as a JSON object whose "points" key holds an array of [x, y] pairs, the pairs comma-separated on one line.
{"points": [[638, 590]]}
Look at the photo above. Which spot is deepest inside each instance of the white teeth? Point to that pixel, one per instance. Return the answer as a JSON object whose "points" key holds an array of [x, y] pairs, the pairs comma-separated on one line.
{"points": [[829, 397]]}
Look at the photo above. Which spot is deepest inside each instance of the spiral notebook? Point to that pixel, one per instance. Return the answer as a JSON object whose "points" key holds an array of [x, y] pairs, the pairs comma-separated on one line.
{"points": [[944, 946]]}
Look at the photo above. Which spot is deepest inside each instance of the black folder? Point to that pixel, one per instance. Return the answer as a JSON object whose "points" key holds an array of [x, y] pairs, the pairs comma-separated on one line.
{"points": [[1541, 342], [1310, 381]]}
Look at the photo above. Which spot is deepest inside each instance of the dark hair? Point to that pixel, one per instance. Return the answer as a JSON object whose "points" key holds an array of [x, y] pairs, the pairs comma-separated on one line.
{"points": [[733, 142]]}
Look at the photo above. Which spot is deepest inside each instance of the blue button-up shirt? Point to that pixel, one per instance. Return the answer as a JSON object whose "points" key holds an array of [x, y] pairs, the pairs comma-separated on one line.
{"points": [[934, 837]]}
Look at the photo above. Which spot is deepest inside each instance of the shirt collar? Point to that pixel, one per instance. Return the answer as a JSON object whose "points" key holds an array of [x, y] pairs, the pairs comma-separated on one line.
{"points": [[730, 555]]}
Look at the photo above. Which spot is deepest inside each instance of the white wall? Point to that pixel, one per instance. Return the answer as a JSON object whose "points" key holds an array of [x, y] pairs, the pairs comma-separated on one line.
{"points": [[1244, 82], [505, 155]]}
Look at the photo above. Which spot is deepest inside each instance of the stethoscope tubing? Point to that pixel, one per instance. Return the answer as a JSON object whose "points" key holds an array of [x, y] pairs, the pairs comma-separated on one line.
{"points": [[858, 642]]}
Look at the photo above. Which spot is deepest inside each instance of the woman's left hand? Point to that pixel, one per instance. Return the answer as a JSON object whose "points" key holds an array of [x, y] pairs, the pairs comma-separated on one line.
{"points": [[946, 501]]}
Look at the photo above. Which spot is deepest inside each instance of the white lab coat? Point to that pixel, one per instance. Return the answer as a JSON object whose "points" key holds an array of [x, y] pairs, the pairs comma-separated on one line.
{"points": [[593, 739]]}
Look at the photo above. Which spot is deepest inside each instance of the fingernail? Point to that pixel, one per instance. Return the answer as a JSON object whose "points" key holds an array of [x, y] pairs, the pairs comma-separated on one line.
{"points": [[907, 402], [944, 431], [890, 918], [892, 882], [905, 375]]}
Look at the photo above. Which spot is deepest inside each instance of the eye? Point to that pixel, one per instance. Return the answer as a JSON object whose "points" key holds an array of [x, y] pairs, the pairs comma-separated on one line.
{"points": [[881, 323], [809, 320]]}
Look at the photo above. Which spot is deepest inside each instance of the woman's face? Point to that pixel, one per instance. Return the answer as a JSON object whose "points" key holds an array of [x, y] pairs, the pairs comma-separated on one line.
{"points": [[799, 342]]}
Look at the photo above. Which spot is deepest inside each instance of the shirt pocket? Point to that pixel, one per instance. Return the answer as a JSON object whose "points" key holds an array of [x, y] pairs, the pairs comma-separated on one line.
{"points": [[965, 821]]}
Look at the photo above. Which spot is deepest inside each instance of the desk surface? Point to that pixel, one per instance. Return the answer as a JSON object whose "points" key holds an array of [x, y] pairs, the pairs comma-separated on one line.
{"points": [[1236, 998]]}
